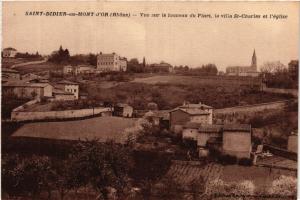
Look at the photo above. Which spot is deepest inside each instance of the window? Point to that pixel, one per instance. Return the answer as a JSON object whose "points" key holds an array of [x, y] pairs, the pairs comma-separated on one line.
{"points": [[74, 90]]}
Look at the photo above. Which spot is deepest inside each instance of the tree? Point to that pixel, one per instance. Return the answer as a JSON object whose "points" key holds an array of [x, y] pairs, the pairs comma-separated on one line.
{"points": [[60, 56], [272, 67], [92, 59], [101, 165]]}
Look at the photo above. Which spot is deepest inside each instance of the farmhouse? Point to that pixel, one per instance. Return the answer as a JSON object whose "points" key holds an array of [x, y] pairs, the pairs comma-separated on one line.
{"points": [[111, 62], [198, 113], [28, 90], [231, 139], [9, 52], [69, 86], [10, 74]]}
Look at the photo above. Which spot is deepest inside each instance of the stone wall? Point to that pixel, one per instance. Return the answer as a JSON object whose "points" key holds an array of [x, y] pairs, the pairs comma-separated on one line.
{"points": [[18, 115]]}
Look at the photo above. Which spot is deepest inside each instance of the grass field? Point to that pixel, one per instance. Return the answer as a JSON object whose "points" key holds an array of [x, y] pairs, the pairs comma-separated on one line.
{"points": [[198, 80], [38, 67], [101, 128]]}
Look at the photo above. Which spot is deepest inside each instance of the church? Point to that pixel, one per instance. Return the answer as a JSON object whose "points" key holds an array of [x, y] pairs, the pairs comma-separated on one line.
{"points": [[244, 70]]}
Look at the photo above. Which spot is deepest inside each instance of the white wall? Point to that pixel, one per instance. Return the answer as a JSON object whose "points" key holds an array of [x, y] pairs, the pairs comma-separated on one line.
{"points": [[65, 114]]}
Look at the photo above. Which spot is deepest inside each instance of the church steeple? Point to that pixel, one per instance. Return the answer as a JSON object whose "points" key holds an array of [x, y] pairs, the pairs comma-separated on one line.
{"points": [[253, 63]]}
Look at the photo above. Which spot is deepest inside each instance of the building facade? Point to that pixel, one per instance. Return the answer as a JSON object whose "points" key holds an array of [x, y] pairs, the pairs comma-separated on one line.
{"points": [[237, 140], [28, 90], [244, 70], [111, 62], [9, 52], [70, 87], [196, 113]]}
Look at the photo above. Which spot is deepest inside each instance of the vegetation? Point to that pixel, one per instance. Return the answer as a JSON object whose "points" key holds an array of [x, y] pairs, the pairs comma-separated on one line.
{"points": [[277, 75], [60, 56], [90, 164]]}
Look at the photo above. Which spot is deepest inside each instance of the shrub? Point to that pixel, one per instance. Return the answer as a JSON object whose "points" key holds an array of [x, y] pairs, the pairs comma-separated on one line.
{"points": [[245, 161], [219, 187], [228, 159], [284, 185]]}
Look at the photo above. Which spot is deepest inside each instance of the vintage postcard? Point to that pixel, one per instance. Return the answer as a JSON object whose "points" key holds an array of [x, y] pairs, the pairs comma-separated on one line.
{"points": [[149, 100]]}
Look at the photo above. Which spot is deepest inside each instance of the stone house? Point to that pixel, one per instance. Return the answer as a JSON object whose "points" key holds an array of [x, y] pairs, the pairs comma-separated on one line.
{"points": [[111, 62], [28, 90], [198, 113]]}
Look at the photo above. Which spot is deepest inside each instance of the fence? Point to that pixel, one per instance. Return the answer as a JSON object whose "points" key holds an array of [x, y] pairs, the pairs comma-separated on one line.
{"points": [[19, 116]]}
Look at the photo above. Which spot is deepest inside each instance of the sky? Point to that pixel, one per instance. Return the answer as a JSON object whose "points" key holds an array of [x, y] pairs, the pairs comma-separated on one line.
{"points": [[178, 41]]}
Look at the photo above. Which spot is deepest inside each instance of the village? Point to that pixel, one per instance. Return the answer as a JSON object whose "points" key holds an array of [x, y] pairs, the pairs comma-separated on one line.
{"points": [[185, 143]]}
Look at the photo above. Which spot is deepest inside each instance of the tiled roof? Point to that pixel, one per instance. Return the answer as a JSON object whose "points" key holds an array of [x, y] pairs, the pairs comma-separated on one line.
{"points": [[191, 105], [210, 128], [237, 127]]}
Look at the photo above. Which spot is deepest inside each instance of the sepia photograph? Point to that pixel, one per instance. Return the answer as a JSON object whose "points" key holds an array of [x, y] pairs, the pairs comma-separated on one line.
{"points": [[174, 100]]}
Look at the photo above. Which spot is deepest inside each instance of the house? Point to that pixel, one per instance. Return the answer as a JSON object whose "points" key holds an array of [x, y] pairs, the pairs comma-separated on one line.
{"points": [[61, 95], [69, 86], [111, 62], [162, 67], [201, 133], [10, 74], [123, 110], [84, 69], [198, 113], [237, 140], [9, 52], [68, 69], [28, 90]]}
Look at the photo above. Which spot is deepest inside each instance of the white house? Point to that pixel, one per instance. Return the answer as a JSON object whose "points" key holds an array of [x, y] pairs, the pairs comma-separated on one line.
{"points": [[69, 86]]}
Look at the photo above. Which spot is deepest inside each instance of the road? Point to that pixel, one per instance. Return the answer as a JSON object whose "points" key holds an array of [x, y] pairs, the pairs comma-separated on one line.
{"points": [[29, 63]]}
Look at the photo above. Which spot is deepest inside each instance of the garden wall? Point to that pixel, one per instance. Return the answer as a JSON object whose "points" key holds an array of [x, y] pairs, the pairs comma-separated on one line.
{"points": [[17, 115]]}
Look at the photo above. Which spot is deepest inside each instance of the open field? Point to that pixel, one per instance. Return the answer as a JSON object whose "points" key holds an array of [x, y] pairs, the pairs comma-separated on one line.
{"points": [[191, 80], [38, 67], [101, 128]]}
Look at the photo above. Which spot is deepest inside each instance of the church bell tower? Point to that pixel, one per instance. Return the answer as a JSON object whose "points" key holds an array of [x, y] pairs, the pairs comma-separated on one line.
{"points": [[253, 63]]}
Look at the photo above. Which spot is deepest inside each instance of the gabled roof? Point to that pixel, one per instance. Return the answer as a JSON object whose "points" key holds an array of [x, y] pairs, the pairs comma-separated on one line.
{"points": [[237, 127], [66, 82], [191, 111], [200, 106], [210, 128]]}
